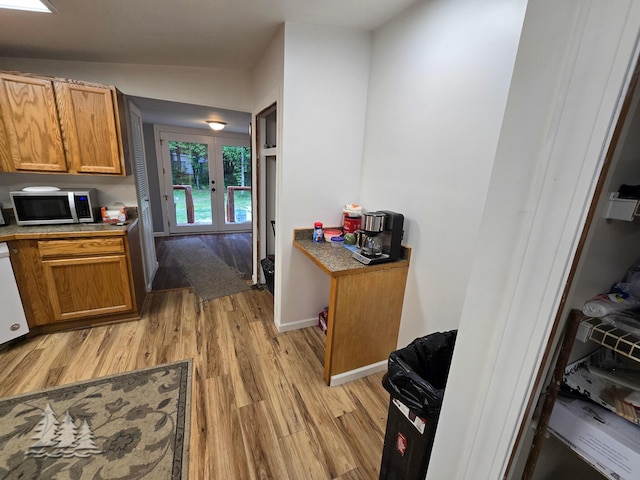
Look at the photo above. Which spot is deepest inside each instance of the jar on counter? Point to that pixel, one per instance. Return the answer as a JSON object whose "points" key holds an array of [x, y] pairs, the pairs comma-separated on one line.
{"points": [[351, 224], [318, 234], [337, 241]]}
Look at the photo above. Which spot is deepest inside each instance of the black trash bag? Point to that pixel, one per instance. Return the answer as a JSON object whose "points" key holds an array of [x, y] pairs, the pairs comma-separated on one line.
{"points": [[629, 191], [268, 267], [417, 374]]}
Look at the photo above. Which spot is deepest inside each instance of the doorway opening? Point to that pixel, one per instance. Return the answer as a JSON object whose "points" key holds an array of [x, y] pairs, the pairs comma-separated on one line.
{"points": [[267, 166], [205, 190], [234, 249], [206, 183]]}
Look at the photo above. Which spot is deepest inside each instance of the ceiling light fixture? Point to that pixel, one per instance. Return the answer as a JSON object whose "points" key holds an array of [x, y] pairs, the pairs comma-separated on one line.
{"points": [[216, 125], [28, 5]]}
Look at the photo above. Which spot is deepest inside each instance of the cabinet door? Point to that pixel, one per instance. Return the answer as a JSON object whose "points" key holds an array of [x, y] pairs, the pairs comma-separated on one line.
{"points": [[84, 287], [27, 267], [91, 134], [33, 139], [6, 161]]}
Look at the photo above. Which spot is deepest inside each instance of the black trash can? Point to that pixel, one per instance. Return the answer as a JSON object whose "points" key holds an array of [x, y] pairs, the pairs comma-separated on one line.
{"points": [[268, 267], [416, 378]]}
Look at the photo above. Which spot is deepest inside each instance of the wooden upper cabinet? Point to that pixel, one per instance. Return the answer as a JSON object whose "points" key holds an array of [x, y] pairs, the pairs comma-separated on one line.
{"points": [[90, 130], [31, 139], [6, 162], [58, 125]]}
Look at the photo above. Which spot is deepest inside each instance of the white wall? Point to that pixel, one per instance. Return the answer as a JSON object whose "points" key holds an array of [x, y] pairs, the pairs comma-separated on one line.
{"points": [[266, 80], [229, 89], [572, 63], [110, 190], [267, 75], [322, 120], [440, 75]]}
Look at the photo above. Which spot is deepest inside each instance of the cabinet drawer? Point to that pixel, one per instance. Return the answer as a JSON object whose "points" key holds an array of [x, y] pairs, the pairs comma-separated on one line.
{"points": [[83, 247]]}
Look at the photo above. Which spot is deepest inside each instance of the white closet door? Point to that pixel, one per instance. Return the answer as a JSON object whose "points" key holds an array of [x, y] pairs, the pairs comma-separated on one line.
{"points": [[144, 210]]}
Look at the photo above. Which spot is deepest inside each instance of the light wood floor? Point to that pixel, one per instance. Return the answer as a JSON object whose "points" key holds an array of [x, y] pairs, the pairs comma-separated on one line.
{"points": [[260, 409]]}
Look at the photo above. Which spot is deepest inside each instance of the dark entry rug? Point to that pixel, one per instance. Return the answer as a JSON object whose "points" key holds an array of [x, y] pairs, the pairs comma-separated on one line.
{"points": [[130, 426], [209, 275]]}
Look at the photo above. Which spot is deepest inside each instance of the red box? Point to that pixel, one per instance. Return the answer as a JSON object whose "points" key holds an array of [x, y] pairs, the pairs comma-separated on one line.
{"points": [[323, 318], [351, 224]]}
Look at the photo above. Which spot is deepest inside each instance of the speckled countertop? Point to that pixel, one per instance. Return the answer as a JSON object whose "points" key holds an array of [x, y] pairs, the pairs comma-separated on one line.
{"points": [[337, 260], [11, 231]]}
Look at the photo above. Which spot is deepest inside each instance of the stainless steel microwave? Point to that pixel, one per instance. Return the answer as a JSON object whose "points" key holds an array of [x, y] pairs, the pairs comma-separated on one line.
{"points": [[53, 206]]}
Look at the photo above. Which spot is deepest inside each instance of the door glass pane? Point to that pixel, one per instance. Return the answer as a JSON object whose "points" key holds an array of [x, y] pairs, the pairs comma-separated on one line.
{"points": [[190, 177], [236, 162]]}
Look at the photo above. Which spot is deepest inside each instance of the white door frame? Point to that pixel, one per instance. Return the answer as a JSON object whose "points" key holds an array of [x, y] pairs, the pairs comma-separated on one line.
{"points": [[260, 221], [166, 182], [221, 141], [144, 205], [157, 129]]}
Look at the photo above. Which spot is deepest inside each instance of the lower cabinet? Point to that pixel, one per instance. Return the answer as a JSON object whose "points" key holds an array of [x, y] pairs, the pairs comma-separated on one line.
{"points": [[66, 283], [81, 287]]}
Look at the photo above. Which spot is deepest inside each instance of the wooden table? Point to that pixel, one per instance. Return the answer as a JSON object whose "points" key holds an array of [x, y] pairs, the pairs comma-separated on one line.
{"points": [[365, 307]]}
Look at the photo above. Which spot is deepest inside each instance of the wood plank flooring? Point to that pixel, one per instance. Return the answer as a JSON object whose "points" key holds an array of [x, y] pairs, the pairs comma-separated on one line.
{"points": [[260, 409], [235, 249]]}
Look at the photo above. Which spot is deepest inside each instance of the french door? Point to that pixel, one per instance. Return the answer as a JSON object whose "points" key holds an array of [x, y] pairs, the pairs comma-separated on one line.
{"points": [[206, 183], [233, 157]]}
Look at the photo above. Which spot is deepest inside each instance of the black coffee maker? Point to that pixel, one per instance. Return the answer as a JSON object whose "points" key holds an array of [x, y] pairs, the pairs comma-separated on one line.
{"points": [[391, 237]]}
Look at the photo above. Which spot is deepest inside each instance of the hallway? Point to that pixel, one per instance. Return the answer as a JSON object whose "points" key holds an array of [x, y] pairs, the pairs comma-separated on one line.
{"points": [[235, 249]]}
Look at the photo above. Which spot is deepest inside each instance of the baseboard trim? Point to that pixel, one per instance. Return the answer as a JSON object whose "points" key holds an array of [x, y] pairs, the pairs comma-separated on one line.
{"points": [[352, 375], [287, 327]]}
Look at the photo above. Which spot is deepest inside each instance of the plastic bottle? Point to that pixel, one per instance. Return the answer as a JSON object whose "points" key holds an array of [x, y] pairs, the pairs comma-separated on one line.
{"points": [[318, 234]]}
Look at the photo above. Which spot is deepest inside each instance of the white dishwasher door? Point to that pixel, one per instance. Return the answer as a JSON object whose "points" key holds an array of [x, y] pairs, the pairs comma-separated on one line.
{"points": [[13, 323]]}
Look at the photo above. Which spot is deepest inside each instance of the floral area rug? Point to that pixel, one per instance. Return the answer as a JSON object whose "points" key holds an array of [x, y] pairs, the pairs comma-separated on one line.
{"points": [[129, 426]]}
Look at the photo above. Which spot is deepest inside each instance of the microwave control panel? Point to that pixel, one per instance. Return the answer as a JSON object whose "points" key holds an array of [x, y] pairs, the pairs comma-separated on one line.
{"points": [[83, 206]]}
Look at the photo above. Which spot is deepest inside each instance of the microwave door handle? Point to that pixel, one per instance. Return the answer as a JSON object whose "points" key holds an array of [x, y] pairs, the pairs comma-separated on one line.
{"points": [[72, 207]]}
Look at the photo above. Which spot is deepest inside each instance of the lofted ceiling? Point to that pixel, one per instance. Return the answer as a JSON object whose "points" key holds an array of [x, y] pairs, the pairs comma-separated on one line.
{"points": [[227, 34]]}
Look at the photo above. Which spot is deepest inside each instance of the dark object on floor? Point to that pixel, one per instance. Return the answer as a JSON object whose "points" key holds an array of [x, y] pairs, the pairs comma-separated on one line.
{"points": [[268, 267], [323, 320], [416, 379], [629, 191]]}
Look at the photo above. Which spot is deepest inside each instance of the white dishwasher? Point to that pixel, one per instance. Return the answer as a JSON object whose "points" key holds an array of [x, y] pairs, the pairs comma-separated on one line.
{"points": [[13, 323]]}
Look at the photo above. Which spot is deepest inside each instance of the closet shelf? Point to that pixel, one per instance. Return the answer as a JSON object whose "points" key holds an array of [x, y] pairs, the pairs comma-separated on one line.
{"points": [[611, 337], [269, 152], [622, 208]]}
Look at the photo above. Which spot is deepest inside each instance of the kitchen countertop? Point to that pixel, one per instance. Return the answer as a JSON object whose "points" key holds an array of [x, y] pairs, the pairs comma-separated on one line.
{"points": [[338, 260], [12, 231]]}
